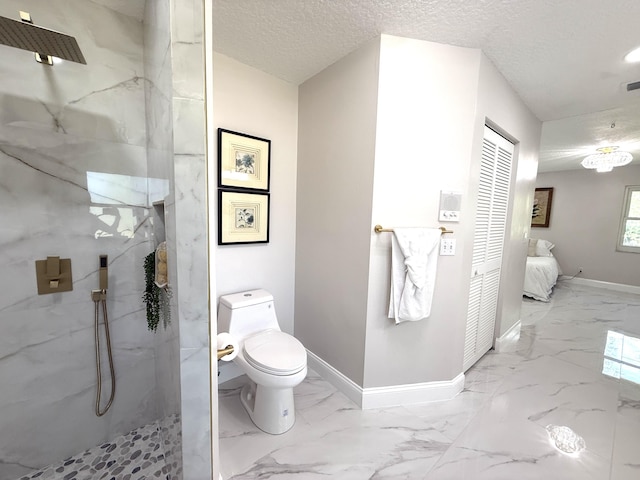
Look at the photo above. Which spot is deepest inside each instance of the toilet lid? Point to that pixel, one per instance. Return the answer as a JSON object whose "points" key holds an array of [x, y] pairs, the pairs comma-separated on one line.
{"points": [[276, 352]]}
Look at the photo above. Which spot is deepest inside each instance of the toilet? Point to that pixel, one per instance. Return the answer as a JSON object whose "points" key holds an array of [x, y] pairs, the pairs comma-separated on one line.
{"points": [[274, 361]]}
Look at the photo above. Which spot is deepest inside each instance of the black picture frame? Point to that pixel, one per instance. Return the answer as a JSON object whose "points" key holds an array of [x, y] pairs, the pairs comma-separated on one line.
{"points": [[244, 161], [243, 217], [541, 213]]}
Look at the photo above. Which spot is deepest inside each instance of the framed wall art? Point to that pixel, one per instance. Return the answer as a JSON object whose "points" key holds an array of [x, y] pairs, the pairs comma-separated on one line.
{"points": [[243, 217], [541, 207], [243, 161]]}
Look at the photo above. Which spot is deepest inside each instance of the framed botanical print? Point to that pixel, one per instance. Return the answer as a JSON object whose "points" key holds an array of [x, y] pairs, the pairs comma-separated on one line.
{"points": [[243, 161], [243, 217]]}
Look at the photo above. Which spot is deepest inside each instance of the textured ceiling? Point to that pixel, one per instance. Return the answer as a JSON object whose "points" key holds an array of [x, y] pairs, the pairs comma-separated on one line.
{"points": [[563, 57]]}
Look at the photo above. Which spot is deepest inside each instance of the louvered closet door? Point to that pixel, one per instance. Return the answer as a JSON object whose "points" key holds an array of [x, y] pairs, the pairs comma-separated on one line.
{"points": [[488, 242]]}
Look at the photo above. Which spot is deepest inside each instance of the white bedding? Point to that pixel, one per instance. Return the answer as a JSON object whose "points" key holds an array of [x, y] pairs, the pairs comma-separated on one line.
{"points": [[540, 276]]}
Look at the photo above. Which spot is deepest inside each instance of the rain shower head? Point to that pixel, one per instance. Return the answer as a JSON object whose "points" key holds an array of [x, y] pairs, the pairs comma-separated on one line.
{"points": [[42, 41]]}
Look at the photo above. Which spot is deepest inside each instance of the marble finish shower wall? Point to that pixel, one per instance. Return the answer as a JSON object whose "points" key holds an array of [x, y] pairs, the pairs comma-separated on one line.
{"points": [[73, 170], [158, 103], [189, 136], [176, 147]]}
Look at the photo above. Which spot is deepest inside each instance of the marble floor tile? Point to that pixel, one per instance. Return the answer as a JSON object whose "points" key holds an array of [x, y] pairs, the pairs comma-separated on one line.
{"points": [[551, 391], [389, 443], [494, 429], [316, 399], [241, 443], [494, 449], [451, 417]]}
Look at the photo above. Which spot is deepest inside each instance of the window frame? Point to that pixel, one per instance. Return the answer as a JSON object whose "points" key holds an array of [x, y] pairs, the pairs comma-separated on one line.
{"points": [[626, 206]]}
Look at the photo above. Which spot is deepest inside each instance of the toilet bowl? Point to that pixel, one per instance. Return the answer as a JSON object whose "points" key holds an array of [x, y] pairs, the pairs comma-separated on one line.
{"points": [[274, 361]]}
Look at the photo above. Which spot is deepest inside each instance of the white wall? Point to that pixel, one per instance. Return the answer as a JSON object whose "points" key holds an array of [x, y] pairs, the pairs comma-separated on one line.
{"points": [[499, 105], [425, 130], [249, 101], [585, 216], [335, 183]]}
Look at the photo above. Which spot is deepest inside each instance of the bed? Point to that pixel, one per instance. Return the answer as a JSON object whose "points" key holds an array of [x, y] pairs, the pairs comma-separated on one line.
{"points": [[542, 270]]}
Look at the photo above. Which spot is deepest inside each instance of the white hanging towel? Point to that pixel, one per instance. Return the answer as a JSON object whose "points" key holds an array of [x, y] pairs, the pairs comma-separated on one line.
{"points": [[414, 259]]}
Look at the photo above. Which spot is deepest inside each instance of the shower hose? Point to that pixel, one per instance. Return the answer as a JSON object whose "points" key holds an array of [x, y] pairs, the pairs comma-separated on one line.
{"points": [[101, 298]]}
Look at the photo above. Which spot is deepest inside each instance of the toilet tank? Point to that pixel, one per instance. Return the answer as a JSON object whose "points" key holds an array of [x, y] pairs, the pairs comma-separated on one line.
{"points": [[244, 313]]}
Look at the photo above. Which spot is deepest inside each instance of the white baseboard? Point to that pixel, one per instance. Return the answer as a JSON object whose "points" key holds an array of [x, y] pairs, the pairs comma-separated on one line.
{"points": [[411, 394], [381, 397], [619, 287], [510, 336], [343, 383]]}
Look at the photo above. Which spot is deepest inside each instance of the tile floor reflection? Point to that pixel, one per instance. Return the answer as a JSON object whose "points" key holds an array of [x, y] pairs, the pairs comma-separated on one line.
{"points": [[557, 373]]}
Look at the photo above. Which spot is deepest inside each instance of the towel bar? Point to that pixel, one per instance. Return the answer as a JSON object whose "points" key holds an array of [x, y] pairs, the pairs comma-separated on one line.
{"points": [[379, 229]]}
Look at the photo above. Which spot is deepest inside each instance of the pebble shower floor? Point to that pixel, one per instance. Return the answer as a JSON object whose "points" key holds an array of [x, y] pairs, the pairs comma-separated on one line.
{"points": [[138, 455]]}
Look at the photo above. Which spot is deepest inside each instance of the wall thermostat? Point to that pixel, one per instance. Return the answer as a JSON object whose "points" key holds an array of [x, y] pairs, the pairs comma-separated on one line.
{"points": [[450, 205]]}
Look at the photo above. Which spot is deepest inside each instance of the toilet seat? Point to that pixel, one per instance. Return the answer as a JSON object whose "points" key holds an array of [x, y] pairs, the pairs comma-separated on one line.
{"points": [[275, 352]]}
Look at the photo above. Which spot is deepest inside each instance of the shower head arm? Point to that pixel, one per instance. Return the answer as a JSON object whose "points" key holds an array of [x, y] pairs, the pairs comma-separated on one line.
{"points": [[40, 57], [42, 41]]}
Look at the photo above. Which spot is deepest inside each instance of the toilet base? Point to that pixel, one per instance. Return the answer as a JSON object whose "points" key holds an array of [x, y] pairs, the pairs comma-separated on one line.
{"points": [[270, 409]]}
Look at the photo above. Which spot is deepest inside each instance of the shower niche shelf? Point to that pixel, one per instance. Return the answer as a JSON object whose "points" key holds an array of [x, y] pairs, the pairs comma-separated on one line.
{"points": [[158, 221]]}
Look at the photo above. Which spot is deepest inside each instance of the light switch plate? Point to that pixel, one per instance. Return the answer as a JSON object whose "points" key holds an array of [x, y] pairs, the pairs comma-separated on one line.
{"points": [[448, 246]]}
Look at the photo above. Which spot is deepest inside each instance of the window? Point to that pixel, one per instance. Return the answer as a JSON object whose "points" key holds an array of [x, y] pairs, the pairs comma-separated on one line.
{"points": [[629, 237], [622, 357]]}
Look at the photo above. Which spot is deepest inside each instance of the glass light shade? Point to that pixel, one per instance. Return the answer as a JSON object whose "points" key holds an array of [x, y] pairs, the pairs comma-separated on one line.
{"points": [[606, 159], [633, 56], [604, 168]]}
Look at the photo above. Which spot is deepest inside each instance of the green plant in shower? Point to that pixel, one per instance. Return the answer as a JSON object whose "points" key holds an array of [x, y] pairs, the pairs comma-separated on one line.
{"points": [[157, 299]]}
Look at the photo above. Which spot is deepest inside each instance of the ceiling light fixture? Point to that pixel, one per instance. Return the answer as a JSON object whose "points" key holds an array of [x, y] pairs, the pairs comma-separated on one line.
{"points": [[633, 56], [606, 159]]}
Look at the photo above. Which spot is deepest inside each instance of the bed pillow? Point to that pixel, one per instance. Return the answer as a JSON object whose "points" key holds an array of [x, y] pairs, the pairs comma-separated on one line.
{"points": [[543, 248], [533, 242]]}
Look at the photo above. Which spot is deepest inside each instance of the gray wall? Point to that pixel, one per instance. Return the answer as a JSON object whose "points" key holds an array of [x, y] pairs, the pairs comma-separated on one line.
{"points": [[441, 112], [336, 146], [585, 216], [501, 106], [424, 141], [390, 116]]}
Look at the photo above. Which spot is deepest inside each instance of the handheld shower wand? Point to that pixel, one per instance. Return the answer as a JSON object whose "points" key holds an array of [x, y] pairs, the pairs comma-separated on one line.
{"points": [[99, 297], [104, 273]]}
